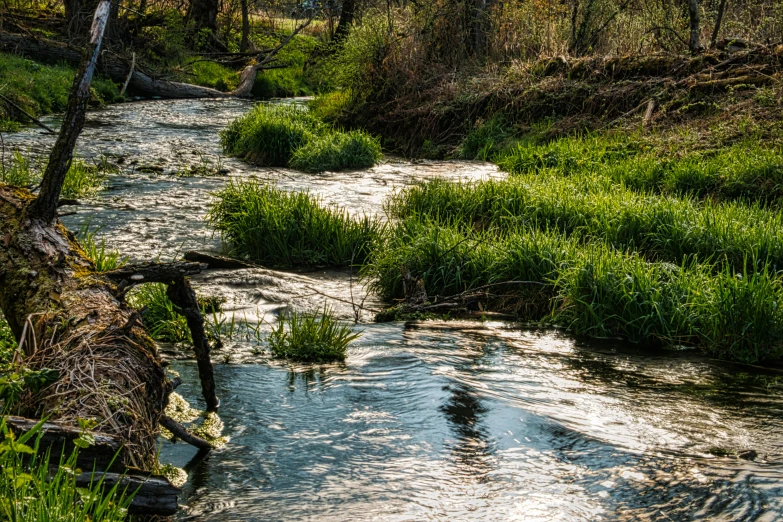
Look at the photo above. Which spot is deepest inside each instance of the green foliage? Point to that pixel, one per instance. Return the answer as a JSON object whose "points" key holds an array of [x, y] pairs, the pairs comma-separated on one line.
{"points": [[594, 208], [590, 288], [485, 140], [269, 134], [7, 341], [30, 491], [159, 314], [15, 377], [104, 260], [278, 228], [337, 151], [43, 89], [745, 171], [294, 79], [82, 180], [288, 135], [311, 337], [331, 106], [214, 75]]}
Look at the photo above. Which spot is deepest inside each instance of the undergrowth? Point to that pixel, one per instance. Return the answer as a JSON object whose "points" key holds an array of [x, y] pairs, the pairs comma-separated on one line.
{"points": [[82, 180], [38, 486]]}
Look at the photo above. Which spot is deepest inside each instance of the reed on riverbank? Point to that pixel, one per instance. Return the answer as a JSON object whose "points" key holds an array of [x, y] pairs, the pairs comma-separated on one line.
{"points": [[276, 228], [746, 171]]}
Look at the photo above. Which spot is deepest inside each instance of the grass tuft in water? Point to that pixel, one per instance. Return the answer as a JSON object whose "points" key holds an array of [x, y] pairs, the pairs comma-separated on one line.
{"points": [[317, 337], [292, 136], [273, 227], [82, 180], [337, 151]]}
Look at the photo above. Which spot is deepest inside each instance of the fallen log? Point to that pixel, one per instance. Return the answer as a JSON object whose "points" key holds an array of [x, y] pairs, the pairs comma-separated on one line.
{"points": [[50, 51], [154, 494]]}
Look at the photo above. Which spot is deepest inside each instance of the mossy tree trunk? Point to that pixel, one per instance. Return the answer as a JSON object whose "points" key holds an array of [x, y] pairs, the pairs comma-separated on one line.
{"points": [[67, 317]]}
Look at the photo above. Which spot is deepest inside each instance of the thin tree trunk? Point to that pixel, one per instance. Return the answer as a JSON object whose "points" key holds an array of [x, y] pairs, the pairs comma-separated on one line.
{"points": [[45, 205], [243, 45], [718, 22], [694, 44]]}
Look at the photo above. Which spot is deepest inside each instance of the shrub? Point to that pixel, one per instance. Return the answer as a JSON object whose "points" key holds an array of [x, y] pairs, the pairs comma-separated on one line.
{"points": [[284, 229], [337, 151], [311, 337]]}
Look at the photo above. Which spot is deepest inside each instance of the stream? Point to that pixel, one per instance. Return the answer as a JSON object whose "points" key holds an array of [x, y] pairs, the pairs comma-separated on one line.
{"points": [[433, 420]]}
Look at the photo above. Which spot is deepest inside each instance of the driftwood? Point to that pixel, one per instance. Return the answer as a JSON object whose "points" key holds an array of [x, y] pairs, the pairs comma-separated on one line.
{"points": [[154, 272], [214, 261]]}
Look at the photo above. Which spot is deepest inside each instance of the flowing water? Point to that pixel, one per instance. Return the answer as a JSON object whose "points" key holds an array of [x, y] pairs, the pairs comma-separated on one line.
{"points": [[425, 420]]}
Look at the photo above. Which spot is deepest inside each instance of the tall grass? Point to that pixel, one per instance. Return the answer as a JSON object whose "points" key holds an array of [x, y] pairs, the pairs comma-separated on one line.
{"points": [[337, 151], [285, 229], [36, 487], [42, 89], [661, 228], [745, 171], [590, 288], [307, 337], [291, 136]]}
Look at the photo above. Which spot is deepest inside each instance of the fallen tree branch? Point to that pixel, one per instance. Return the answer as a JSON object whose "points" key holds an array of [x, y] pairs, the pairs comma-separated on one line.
{"points": [[32, 118], [183, 434]]}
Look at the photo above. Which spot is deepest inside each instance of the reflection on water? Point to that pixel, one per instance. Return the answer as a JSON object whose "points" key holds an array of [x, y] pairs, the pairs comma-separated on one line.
{"points": [[459, 421], [424, 421]]}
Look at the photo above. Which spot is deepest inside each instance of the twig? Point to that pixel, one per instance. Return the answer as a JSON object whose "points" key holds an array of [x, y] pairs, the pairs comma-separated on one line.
{"points": [[373, 310], [180, 432]]}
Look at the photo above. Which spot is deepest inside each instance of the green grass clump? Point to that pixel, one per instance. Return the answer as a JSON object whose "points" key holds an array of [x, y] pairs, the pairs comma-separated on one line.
{"points": [[213, 75], [337, 151], [291, 136], [43, 89], [36, 487], [285, 229], [661, 228], [82, 180], [103, 259], [485, 140], [269, 134], [590, 288], [159, 315], [746, 171], [315, 337]]}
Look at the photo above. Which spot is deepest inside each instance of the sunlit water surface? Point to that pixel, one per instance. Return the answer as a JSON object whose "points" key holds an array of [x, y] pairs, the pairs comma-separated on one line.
{"points": [[424, 421]]}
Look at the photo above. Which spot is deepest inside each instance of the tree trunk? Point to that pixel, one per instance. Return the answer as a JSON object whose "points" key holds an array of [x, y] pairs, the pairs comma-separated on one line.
{"points": [[204, 15], [244, 44], [68, 318], [346, 20], [718, 22], [694, 22]]}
